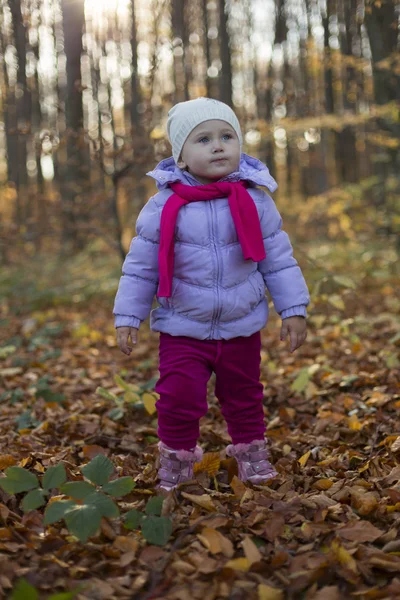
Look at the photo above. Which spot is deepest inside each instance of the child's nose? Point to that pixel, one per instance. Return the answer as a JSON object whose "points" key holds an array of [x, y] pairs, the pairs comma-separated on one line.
{"points": [[217, 146]]}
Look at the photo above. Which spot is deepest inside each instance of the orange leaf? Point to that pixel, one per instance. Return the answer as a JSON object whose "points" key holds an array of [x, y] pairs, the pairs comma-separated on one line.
{"points": [[210, 464], [6, 460], [215, 542], [322, 484]]}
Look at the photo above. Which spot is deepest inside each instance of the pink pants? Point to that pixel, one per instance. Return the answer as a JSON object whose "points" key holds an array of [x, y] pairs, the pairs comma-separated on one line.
{"points": [[185, 367]]}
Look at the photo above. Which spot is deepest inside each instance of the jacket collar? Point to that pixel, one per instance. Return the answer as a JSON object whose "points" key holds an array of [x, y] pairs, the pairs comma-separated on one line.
{"points": [[251, 169]]}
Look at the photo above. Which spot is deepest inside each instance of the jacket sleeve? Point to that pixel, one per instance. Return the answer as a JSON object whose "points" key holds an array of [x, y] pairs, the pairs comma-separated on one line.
{"points": [[281, 273], [139, 281]]}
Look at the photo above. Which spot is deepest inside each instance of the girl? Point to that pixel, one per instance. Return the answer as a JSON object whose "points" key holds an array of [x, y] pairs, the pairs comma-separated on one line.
{"points": [[207, 245]]}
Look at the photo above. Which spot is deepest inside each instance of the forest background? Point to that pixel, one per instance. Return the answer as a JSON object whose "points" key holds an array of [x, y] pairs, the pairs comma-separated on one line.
{"points": [[85, 87]]}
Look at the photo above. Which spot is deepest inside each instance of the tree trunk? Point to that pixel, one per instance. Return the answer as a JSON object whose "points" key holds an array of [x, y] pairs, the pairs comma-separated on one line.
{"points": [[225, 78], [381, 23], [23, 102], [76, 168], [207, 48], [179, 33], [136, 96]]}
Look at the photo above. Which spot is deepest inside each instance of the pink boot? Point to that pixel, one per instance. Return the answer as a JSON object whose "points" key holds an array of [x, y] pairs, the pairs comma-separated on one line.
{"points": [[176, 465], [252, 460]]}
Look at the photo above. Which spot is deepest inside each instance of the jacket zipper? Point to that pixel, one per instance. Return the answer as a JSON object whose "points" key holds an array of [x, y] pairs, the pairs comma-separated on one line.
{"points": [[217, 309]]}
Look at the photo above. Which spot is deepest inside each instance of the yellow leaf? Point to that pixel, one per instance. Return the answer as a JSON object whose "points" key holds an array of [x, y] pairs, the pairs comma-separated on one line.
{"points": [[354, 423], [157, 133], [210, 464], [303, 460], [266, 592], [336, 301], [344, 557], [149, 402], [239, 564], [132, 397], [204, 501]]}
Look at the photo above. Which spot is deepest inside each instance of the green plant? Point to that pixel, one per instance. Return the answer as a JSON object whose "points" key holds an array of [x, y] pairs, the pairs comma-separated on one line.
{"points": [[155, 528], [87, 501], [136, 395], [23, 590]]}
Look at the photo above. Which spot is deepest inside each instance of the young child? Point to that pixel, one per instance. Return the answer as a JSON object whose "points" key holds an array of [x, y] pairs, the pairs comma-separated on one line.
{"points": [[207, 245]]}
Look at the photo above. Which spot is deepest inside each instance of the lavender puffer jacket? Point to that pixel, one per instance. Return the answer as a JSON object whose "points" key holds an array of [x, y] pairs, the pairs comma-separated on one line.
{"points": [[216, 294]]}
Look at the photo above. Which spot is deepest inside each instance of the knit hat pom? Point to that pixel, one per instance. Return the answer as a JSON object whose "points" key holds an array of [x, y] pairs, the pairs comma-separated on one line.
{"points": [[185, 116]]}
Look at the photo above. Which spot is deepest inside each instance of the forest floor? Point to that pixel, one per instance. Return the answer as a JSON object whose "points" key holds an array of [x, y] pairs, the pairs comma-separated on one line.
{"points": [[326, 528]]}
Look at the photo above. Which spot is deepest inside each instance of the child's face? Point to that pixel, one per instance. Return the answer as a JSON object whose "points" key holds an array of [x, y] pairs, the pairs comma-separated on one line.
{"points": [[211, 151]]}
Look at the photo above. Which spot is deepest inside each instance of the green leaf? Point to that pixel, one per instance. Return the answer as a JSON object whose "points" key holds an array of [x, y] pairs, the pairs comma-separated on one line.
{"points": [[154, 506], [33, 500], [77, 489], [104, 504], [56, 510], [106, 394], [24, 591], [26, 421], [133, 519], [54, 477], [344, 281], [83, 521], [49, 396], [119, 487], [116, 413], [99, 469], [157, 530], [66, 595], [18, 480], [301, 381]]}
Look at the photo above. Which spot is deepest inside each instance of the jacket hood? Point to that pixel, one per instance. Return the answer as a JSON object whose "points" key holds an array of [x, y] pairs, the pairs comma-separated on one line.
{"points": [[250, 169]]}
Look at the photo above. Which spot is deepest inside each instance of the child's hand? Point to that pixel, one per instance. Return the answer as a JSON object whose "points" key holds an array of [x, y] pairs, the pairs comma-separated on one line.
{"points": [[123, 334], [297, 328]]}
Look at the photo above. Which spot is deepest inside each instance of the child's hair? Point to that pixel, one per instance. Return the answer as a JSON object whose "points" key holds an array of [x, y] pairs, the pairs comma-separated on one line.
{"points": [[185, 116]]}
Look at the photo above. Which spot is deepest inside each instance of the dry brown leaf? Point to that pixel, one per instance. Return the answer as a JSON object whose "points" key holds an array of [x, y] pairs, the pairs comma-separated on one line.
{"points": [[363, 502], [251, 551], [205, 501], [395, 447], [239, 488], [215, 542], [360, 531], [125, 543]]}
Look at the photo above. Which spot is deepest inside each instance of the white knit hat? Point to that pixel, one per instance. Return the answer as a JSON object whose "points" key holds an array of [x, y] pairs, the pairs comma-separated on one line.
{"points": [[185, 116]]}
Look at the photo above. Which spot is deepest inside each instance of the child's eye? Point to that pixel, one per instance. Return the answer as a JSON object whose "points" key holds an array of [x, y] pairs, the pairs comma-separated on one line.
{"points": [[203, 139], [227, 135]]}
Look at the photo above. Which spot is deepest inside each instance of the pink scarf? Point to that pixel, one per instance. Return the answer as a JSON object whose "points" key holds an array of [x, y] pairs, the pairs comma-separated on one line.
{"points": [[244, 214]]}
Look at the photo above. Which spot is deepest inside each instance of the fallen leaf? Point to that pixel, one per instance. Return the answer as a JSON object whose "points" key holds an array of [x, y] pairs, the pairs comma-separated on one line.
{"points": [[266, 592], [238, 564], [215, 542], [360, 531], [205, 501], [343, 556], [6, 460], [210, 464], [251, 551], [303, 460]]}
